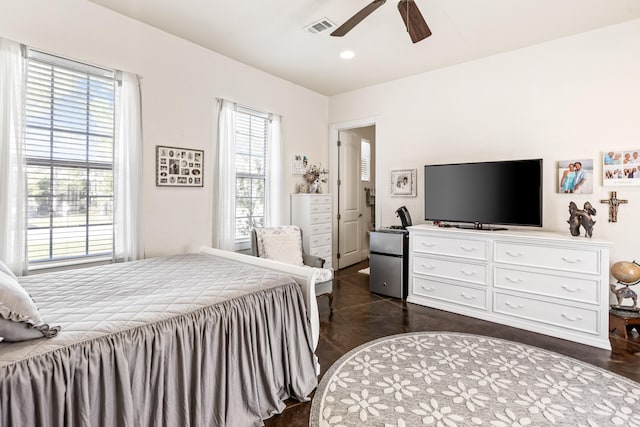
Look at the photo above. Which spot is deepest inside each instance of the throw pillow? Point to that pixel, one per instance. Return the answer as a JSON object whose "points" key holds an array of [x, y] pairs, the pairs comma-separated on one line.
{"points": [[19, 317], [283, 244]]}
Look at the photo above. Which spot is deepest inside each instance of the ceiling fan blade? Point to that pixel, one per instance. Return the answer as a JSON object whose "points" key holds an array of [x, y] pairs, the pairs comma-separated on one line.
{"points": [[357, 18], [413, 20]]}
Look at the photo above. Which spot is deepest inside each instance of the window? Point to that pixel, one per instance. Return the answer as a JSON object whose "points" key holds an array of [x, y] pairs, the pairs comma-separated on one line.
{"points": [[365, 160], [69, 159], [252, 132]]}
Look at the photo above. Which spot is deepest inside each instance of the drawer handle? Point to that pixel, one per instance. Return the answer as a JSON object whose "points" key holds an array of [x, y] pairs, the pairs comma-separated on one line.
{"points": [[509, 279], [468, 248], [514, 254], [465, 296], [468, 273], [567, 288], [428, 245], [427, 289], [517, 306], [571, 261], [571, 319], [428, 267]]}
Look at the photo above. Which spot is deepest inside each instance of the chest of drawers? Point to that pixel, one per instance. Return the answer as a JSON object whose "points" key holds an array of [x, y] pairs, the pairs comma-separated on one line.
{"points": [[312, 213], [543, 282]]}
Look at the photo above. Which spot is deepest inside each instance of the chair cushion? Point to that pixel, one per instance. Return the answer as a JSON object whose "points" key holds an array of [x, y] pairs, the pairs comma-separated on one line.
{"points": [[325, 274], [282, 244]]}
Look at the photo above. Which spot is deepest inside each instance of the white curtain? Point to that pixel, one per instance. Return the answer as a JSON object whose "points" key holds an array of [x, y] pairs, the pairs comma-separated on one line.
{"points": [[274, 202], [12, 184], [224, 196], [127, 172]]}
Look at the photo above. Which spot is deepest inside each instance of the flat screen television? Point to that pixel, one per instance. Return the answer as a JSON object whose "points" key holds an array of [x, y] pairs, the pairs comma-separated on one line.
{"points": [[484, 193]]}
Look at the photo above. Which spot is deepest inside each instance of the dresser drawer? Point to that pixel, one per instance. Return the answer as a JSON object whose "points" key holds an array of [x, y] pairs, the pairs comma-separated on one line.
{"points": [[320, 209], [320, 240], [320, 228], [464, 248], [458, 294], [456, 270], [576, 318], [566, 259], [321, 251], [566, 288], [318, 199], [322, 218]]}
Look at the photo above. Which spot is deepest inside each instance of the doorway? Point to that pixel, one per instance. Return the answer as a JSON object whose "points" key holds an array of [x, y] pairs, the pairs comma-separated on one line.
{"points": [[354, 200]]}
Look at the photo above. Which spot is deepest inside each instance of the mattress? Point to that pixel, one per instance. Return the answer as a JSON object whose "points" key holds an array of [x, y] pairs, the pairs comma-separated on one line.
{"points": [[183, 340]]}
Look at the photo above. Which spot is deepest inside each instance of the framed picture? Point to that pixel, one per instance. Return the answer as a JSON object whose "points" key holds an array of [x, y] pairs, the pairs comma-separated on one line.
{"points": [[621, 168], [575, 176], [300, 164], [403, 183], [179, 167]]}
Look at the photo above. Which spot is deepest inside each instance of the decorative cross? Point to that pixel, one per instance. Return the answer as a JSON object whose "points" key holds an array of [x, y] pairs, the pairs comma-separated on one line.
{"points": [[613, 202]]}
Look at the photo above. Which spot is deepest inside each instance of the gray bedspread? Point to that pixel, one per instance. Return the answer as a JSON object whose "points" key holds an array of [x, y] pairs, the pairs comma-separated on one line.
{"points": [[191, 340]]}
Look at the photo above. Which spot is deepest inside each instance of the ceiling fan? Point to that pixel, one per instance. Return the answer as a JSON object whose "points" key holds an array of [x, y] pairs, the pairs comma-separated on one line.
{"points": [[413, 20]]}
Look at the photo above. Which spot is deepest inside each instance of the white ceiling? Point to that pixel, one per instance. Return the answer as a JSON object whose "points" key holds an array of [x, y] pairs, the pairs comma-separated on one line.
{"points": [[269, 34]]}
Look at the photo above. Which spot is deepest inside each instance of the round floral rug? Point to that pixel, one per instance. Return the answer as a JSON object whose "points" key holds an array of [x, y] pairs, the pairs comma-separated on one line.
{"points": [[452, 379]]}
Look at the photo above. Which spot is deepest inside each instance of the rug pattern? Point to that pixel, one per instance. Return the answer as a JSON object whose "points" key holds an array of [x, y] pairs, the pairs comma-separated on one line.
{"points": [[454, 379]]}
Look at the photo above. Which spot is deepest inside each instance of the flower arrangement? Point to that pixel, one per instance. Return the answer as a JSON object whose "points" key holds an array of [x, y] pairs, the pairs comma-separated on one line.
{"points": [[313, 176]]}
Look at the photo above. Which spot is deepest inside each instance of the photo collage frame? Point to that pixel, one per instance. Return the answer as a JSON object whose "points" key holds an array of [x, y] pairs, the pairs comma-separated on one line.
{"points": [[179, 167]]}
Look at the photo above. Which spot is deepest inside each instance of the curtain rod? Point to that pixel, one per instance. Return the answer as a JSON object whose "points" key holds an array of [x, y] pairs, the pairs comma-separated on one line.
{"points": [[219, 99]]}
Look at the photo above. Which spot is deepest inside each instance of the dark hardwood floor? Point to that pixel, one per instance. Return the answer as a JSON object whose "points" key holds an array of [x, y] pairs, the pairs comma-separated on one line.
{"points": [[360, 316]]}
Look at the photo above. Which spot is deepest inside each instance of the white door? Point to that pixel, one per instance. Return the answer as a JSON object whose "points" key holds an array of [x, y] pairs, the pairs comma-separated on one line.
{"points": [[350, 201]]}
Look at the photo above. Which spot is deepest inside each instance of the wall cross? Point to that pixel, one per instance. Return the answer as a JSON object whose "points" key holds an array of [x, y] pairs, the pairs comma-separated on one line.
{"points": [[613, 203]]}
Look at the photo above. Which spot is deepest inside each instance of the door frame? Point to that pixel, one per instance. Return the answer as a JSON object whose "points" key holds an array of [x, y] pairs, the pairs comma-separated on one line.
{"points": [[334, 132]]}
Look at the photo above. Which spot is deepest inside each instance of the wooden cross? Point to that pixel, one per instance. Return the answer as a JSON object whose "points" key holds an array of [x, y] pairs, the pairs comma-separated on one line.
{"points": [[613, 203]]}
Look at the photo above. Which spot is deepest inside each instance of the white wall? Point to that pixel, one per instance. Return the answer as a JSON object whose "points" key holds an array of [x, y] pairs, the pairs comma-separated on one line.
{"points": [[571, 98], [180, 84]]}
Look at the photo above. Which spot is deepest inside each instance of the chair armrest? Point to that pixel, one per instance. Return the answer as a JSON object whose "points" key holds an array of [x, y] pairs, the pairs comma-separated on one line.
{"points": [[312, 260]]}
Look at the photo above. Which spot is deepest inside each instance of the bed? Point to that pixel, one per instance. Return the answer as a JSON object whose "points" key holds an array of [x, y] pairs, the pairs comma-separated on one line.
{"points": [[207, 339]]}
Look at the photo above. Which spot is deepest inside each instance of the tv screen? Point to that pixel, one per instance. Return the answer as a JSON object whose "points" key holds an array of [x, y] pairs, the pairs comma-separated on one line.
{"points": [[505, 192]]}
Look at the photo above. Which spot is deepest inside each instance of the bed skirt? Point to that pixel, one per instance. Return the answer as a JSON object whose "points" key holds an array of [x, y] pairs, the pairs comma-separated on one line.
{"points": [[230, 364]]}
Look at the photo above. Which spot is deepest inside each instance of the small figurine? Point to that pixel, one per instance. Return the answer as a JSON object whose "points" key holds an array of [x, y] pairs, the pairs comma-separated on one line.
{"points": [[622, 293], [582, 218], [627, 274]]}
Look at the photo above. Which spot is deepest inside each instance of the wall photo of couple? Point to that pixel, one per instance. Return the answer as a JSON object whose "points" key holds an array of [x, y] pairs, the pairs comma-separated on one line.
{"points": [[575, 176]]}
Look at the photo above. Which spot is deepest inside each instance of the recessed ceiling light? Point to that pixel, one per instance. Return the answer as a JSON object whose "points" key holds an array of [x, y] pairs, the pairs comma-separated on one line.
{"points": [[347, 54]]}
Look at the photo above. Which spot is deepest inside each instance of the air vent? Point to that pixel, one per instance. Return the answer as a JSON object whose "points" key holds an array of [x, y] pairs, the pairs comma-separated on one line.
{"points": [[320, 26]]}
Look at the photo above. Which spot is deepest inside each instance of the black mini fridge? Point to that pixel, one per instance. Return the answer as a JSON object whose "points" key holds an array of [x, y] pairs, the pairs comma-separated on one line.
{"points": [[389, 262]]}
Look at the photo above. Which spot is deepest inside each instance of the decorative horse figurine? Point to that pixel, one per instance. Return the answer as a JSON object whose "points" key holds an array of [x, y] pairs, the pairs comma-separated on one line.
{"points": [[581, 217], [623, 293]]}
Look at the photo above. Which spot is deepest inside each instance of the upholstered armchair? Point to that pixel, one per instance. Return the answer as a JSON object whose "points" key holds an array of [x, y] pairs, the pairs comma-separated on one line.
{"points": [[284, 244]]}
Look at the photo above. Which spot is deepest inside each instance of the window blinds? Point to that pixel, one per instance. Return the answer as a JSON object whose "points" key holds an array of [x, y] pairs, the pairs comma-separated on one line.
{"points": [[252, 129], [69, 154]]}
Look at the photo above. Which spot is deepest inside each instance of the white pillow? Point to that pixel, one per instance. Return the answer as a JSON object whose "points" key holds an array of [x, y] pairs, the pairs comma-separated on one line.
{"points": [[282, 244], [19, 317]]}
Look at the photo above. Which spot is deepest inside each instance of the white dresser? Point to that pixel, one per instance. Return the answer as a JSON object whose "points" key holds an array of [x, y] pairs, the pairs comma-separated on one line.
{"points": [[312, 213], [543, 282]]}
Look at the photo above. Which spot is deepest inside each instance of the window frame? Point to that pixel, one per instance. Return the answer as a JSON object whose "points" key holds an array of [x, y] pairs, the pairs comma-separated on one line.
{"points": [[243, 242], [42, 135]]}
